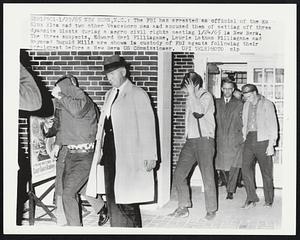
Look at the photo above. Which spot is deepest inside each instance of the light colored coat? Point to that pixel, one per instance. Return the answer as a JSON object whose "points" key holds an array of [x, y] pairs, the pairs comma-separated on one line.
{"points": [[229, 134], [267, 126], [135, 141]]}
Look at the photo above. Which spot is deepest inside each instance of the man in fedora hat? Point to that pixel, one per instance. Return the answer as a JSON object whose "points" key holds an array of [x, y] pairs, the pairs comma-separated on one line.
{"points": [[126, 147]]}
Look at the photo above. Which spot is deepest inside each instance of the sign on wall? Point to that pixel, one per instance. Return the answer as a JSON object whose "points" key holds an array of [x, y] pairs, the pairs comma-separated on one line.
{"points": [[42, 165]]}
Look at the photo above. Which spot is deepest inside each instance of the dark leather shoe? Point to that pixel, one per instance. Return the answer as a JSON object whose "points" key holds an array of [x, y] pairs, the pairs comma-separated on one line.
{"points": [[229, 195], [103, 216]]}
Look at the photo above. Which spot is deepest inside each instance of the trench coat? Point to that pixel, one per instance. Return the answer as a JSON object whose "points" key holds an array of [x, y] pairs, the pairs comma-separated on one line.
{"points": [[229, 137], [135, 141]]}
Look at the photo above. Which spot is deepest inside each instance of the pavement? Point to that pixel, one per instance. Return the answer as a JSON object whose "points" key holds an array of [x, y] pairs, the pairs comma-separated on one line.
{"points": [[229, 215]]}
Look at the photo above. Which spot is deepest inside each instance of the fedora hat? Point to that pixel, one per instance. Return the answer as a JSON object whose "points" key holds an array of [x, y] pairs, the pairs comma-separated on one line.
{"points": [[112, 63]]}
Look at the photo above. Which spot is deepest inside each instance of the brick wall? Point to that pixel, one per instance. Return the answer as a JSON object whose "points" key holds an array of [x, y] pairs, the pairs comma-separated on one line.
{"points": [[87, 67], [182, 63]]}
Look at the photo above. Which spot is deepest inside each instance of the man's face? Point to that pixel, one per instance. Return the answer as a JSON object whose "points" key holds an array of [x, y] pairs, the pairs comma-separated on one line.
{"points": [[117, 77], [250, 97], [227, 90]]}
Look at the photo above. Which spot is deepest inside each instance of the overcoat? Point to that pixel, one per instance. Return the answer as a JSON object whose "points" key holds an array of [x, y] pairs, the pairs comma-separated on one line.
{"points": [[135, 141], [229, 137]]}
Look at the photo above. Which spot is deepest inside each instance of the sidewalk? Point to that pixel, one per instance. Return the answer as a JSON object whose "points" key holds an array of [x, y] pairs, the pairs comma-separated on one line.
{"points": [[229, 215]]}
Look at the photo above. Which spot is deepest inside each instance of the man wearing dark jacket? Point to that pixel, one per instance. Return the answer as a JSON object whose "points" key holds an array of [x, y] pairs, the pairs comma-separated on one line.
{"points": [[76, 131], [229, 136]]}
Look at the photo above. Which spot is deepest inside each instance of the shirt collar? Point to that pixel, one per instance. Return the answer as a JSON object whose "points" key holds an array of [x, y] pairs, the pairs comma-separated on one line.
{"points": [[199, 91], [228, 99], [121, 88]]}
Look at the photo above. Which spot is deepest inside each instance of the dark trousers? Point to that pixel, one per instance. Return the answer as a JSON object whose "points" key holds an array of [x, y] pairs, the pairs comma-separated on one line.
{"points": [[121, 215], [257, 150], [231, 177], [74, 178], [200, 150]]}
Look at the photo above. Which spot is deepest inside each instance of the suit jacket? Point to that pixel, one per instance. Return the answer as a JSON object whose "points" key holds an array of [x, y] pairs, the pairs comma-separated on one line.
{"points": [[135, 141], [229, 134]]}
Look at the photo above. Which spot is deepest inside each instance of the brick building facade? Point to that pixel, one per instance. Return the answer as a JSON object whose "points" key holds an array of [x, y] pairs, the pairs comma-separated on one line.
{"points": [[182, 63], [87, 67]]}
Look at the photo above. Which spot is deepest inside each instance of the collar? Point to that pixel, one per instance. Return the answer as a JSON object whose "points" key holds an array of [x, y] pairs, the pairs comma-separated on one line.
{"points": [[121, 88], [227, 99], [199, 92]]}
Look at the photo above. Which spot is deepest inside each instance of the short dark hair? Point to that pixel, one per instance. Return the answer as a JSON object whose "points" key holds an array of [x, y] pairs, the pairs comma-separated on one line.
{"points": [[228, 80], [194, 77], [249, 88]]}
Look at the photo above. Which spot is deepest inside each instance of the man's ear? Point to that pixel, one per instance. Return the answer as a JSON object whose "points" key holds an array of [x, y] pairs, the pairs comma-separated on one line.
{"points": [[123, 71]]}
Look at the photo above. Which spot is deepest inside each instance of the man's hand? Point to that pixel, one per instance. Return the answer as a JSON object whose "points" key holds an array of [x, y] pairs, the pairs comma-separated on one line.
{"points": [[54, 152], [55, 92], [149, 164], [270, 150], [190, 88], [48, 124]]}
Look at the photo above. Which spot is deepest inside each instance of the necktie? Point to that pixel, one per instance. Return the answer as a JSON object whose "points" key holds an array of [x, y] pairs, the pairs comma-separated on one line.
{"points": [[114, 99]]}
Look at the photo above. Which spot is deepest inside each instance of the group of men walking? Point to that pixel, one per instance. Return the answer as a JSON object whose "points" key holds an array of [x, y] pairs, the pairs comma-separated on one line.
{"points": [[115, 154], [237, 134]]}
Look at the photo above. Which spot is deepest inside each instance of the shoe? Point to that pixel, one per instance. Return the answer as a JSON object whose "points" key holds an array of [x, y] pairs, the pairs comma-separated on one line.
{"points": [[180, 212], [248, 204], [210, 215], [103, 215], [268, 205], [229, 195]]}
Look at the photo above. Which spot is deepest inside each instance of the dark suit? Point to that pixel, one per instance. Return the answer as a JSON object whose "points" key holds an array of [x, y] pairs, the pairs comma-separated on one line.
{"points": [[229, 139]]}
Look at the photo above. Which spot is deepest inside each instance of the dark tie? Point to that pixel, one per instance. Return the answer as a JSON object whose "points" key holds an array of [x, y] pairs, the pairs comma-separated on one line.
{"points": [[114, 99]]}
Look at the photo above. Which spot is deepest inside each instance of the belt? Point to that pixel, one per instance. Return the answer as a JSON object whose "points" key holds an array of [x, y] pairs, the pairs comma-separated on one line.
{"points": [[84, 146], [81, 150]]}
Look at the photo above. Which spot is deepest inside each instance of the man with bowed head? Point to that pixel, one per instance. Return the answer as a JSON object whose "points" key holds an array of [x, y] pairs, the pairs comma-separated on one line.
{"points": [[126, 147], [199, 146], [260, 132], [75, 126]]}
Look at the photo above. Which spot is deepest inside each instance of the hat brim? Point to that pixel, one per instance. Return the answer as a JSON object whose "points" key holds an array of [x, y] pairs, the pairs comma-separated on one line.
{"points": [[110, 70], [113, 66]]}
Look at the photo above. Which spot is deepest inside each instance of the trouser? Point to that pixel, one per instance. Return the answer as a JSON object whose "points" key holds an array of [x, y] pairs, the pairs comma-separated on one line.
{"points": [[121, 215], [231, 177], [74, 179], [200, 150], [257, 150]]}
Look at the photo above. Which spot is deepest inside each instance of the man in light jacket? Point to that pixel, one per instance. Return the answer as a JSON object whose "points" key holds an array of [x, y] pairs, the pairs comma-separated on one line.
{"points": [[199, 146], [260, 132], [126, 147]]}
